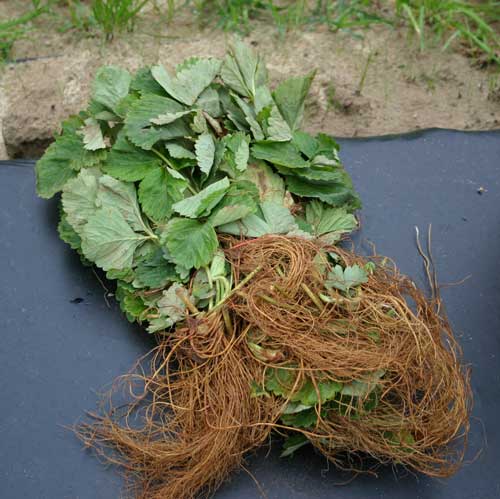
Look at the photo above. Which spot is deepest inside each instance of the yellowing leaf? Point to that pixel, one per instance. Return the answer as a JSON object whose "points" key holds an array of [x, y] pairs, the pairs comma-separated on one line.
{"points": [[172, 306], [92, 135]]}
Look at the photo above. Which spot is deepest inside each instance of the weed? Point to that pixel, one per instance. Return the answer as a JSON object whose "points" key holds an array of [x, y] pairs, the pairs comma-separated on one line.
{"points": [[17, 28], [362, 80], [230, 15], [469, 23], [108, 16], [347, 15], [116, 15]]}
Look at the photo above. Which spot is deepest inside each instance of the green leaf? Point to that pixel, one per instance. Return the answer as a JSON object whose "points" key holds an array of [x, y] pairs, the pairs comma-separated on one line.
{"points": [[190, 243], [238, 150], [346, 279], [250, 118], [235, 118], [336, 194], [108, 240], [218, 265], [327, 220], [192, 77], [201, 204], [317, 174], [79, 198], [279, 153], [179, 151], [257, 391], [363, 388], [142, 132], [154, 271], [290, 96], [302, 419], [209, 101], [93, 138], [201, 288], [263, 98], [144, 83], [278, 217], [121, 196], [68, 234], [126, 275], [327, 146], [167, 118], [100, 112], [275, 219], [243, 71], [205, 152], [295, 408], [128, 162], [159, 190], [62, 160], [239, 202], [280, 381], [293, 443], [277, 128], [308, 395], [130, 304], [305, 143], [110, 86]]}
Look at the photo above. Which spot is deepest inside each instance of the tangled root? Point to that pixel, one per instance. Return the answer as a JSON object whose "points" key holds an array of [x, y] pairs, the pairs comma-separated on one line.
{"points": [[192, 416]]}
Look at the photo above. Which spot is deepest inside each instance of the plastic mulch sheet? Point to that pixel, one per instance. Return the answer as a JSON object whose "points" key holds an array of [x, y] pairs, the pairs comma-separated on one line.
{"points": [[60, 342]]}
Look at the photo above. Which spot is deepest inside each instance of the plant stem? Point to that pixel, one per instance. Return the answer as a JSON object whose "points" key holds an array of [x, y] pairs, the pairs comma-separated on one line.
{"points": [[313, 297], [190, 306], [169, 163], [227, 321], [238, 286]]}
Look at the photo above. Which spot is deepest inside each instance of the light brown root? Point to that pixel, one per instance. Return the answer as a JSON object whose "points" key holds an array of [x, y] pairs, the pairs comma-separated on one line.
{"points": [[195, 418]]}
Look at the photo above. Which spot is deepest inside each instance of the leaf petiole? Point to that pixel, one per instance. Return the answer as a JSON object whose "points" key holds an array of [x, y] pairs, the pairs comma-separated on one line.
{"points": [[169, 163]]}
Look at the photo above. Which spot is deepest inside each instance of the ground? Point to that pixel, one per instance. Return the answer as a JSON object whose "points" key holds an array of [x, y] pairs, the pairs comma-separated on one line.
{"points": [[374, 84]]}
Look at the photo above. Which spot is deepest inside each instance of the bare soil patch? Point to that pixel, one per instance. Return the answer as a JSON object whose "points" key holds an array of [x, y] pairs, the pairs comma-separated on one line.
{"points": [[375, 85]]}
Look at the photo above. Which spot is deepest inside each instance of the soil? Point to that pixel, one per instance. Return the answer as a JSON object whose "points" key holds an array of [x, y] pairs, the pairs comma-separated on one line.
{"points": [[374, 84]]}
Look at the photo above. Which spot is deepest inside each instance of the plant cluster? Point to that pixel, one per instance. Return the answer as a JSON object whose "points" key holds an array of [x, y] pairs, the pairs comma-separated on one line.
{"points": [[159, 164], [218, 218], [17, 28]]}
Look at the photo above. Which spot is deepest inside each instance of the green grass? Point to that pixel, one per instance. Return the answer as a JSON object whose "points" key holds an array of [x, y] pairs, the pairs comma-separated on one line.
{"points": [[445, 22], [107, 16], [453, 21], [17, 28], [468, 24], [288, 15], [116, 15]]}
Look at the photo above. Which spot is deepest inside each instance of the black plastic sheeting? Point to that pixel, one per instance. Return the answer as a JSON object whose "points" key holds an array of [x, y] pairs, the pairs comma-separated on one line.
{"points": [[60, 343]]}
